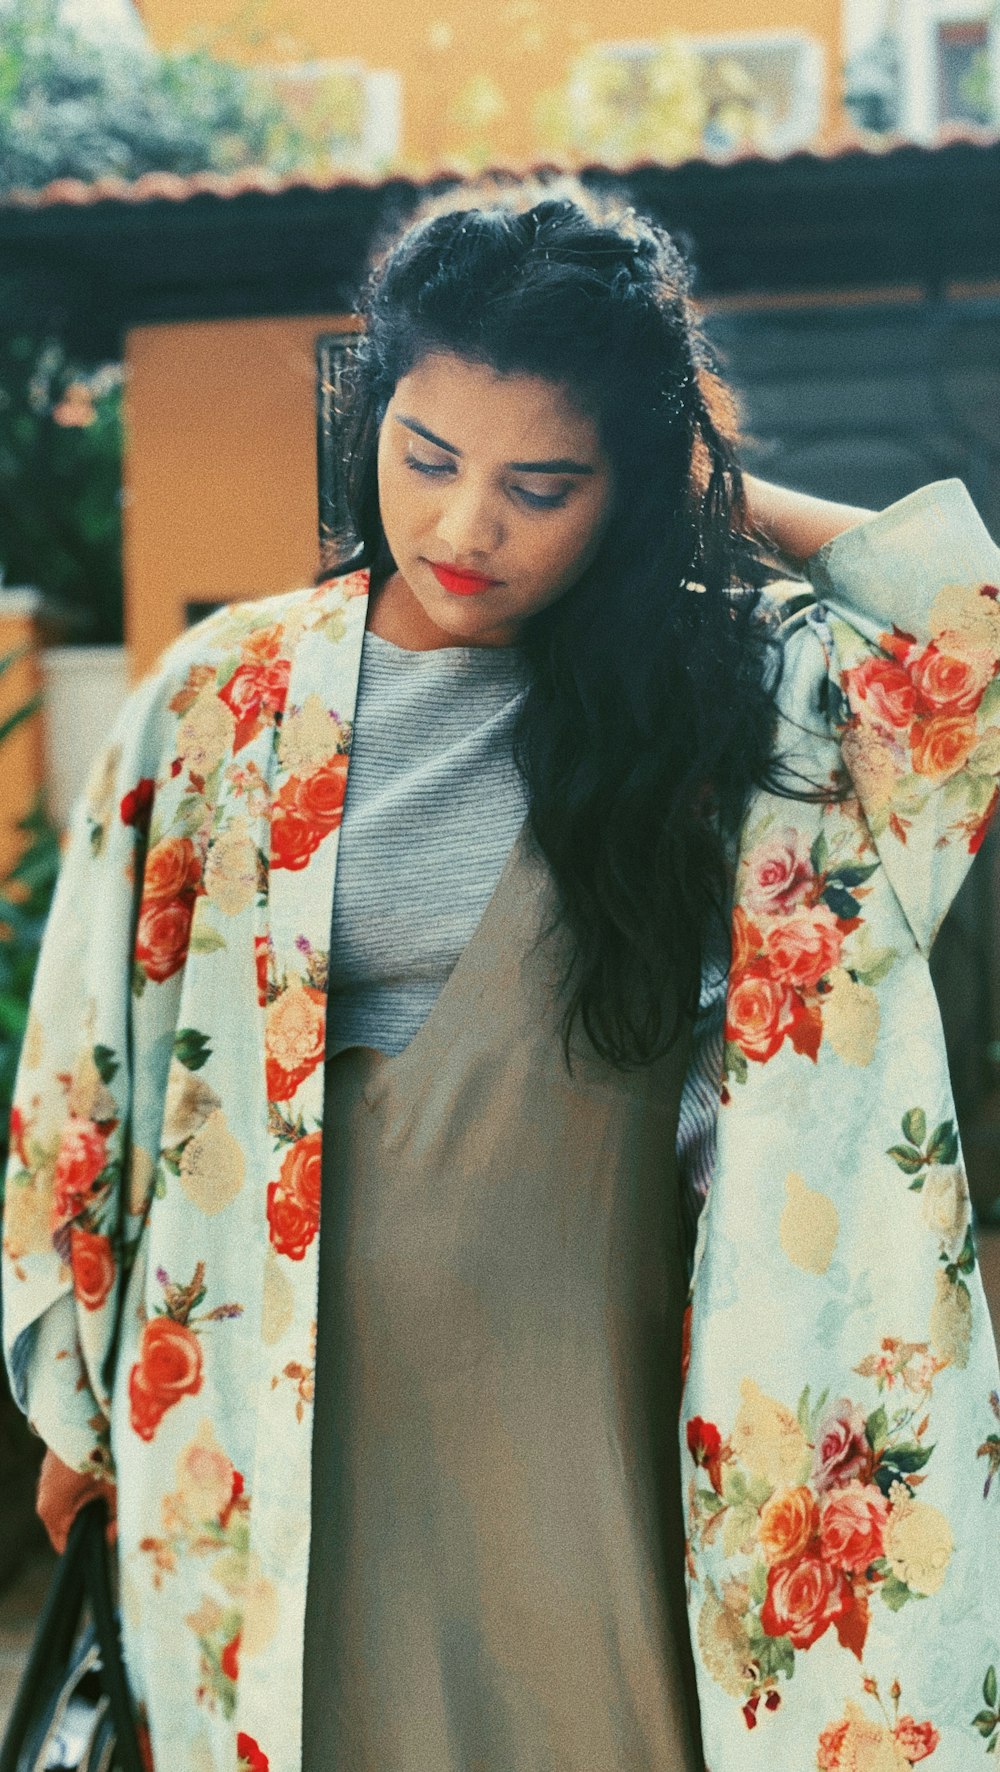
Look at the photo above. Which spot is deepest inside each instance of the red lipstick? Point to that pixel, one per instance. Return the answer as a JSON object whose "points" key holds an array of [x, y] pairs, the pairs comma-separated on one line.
{"points": [[462, 584]]}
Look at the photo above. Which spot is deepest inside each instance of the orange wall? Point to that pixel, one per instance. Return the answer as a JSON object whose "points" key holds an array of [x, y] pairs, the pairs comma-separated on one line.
{"points": [[22, 768], [220, 468], [523, 45]]}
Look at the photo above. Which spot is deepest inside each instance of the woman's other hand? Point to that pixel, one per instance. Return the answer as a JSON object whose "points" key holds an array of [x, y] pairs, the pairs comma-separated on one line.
{"points": [[62, 1492], [795, 523]]}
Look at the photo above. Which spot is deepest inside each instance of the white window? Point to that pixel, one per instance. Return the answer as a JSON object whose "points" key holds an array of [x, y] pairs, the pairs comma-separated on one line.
{"points": [[950, 64], [355, 109], [711, 95]]}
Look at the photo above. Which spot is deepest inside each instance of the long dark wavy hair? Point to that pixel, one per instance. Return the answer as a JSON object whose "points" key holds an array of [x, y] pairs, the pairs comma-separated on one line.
{"points": [[650, 711]]}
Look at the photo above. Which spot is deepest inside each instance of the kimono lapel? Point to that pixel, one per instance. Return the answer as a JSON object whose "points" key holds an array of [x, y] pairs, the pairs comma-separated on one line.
{"points": [[308, 784]]}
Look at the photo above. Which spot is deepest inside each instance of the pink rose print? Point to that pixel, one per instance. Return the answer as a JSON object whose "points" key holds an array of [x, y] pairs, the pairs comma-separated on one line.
{"points": [[851, 1525], [842, 1453], [779, 873]]}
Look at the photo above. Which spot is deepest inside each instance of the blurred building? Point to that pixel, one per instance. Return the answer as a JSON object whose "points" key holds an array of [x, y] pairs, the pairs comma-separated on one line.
{"points": [[447, 78]]}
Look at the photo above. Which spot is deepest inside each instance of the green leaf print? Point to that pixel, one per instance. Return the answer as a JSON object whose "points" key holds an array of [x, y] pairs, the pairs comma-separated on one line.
{"points": [[943, 1147], [990, 1687], [915, 1126], [105, 1063], [906, 1157], [192, 1048]]}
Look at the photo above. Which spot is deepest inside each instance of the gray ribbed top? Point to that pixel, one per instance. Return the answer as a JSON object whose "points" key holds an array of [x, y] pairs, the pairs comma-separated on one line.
{"points": [[434, 802]]}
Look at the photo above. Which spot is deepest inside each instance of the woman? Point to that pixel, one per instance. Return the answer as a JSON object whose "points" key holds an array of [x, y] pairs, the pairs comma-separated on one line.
{"points": [[420, 1504]]}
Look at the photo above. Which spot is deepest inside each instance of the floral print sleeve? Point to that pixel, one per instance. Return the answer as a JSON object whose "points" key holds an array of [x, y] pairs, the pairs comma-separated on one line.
{"points": [[842, 1392], [69, 1222], [915, 691]]}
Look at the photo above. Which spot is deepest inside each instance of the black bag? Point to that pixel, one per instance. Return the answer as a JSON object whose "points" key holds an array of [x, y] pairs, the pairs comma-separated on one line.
{"points": [[73, 1710]]}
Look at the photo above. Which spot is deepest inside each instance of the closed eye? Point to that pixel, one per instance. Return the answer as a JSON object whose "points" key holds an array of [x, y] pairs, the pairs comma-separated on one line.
{"points": [[534, 500]]}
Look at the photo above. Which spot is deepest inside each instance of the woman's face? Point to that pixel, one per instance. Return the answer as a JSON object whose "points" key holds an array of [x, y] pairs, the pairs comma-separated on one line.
{"points": [[499, 476]]}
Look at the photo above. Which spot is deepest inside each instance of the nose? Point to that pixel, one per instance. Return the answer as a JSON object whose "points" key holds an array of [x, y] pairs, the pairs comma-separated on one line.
{"points": [[470, 525]]}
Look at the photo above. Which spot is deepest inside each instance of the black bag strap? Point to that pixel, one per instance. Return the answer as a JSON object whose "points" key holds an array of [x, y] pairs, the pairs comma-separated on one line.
{"points": [[82, 1576], [97, 1583]]}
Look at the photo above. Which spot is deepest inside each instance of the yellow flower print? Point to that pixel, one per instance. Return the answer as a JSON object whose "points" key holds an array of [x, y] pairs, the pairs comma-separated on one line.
{"points": [[951, 1320], [279, 1300], [725, 1646], [768, 1440], [231, 870], [212, 1166], [945, 1206], [809, 1226], [189, 1101], [310, 736], [872, 766], [204, 1477], [918, 1542], [206, 732], [968, 621], [89, 1096], [850, 1018]]}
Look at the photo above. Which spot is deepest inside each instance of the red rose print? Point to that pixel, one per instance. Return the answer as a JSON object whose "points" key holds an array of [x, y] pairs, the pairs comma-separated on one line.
{"points": [[779, 874], [320, 796], [802, 948], [881, 693], [759, 1013], [293, 1200], [851, 1525], [229, 1660], [293, 837], [145, 1745], [686, 1344], [254, 694], [137, 804], [917, 1740], [842, 1454], [978, 837], [162, 938], [93, 1264], [249, 1755], [169, 1367], [803, 1599], [172, 870], [260, 958], [306, 809], [83, 1153], [948, 685], [17, 1130], [747, 941], [705, 1444], [940, 746]]}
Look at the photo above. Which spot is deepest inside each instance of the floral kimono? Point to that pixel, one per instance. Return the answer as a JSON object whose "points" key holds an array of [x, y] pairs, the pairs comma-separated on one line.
{"points": [[160, 1248]]}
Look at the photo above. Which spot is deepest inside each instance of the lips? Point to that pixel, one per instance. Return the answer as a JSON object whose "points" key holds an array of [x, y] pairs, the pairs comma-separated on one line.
{"points": [[461, 584]]}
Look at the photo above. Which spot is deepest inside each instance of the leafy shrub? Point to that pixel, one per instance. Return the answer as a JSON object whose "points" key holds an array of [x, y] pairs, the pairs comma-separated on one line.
{"points": [[72, 108]]}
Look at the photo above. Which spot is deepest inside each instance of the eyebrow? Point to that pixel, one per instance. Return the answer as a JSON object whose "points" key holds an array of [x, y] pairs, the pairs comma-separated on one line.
{"points": [[563, 464]]}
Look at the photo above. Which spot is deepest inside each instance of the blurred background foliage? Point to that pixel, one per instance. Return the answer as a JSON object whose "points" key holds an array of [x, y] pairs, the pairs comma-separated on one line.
{"points": [[25, 897], [60, 485], [74, 108]]}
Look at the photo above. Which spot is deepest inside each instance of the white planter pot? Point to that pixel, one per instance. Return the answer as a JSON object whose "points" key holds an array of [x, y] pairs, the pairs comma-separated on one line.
{"points": [[85, 687]]}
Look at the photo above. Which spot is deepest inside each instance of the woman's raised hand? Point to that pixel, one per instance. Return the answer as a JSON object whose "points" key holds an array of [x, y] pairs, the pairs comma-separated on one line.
{"points": [[62, 1492]]}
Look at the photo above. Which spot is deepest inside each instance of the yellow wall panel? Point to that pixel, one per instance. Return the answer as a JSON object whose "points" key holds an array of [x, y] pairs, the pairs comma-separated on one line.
{"points": [[220, 468]]}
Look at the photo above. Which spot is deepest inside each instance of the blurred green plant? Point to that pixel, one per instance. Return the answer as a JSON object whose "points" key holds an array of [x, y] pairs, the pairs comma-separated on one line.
{"points": [[25, 899], [621, 108], [74, 108], [60, 484]]}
